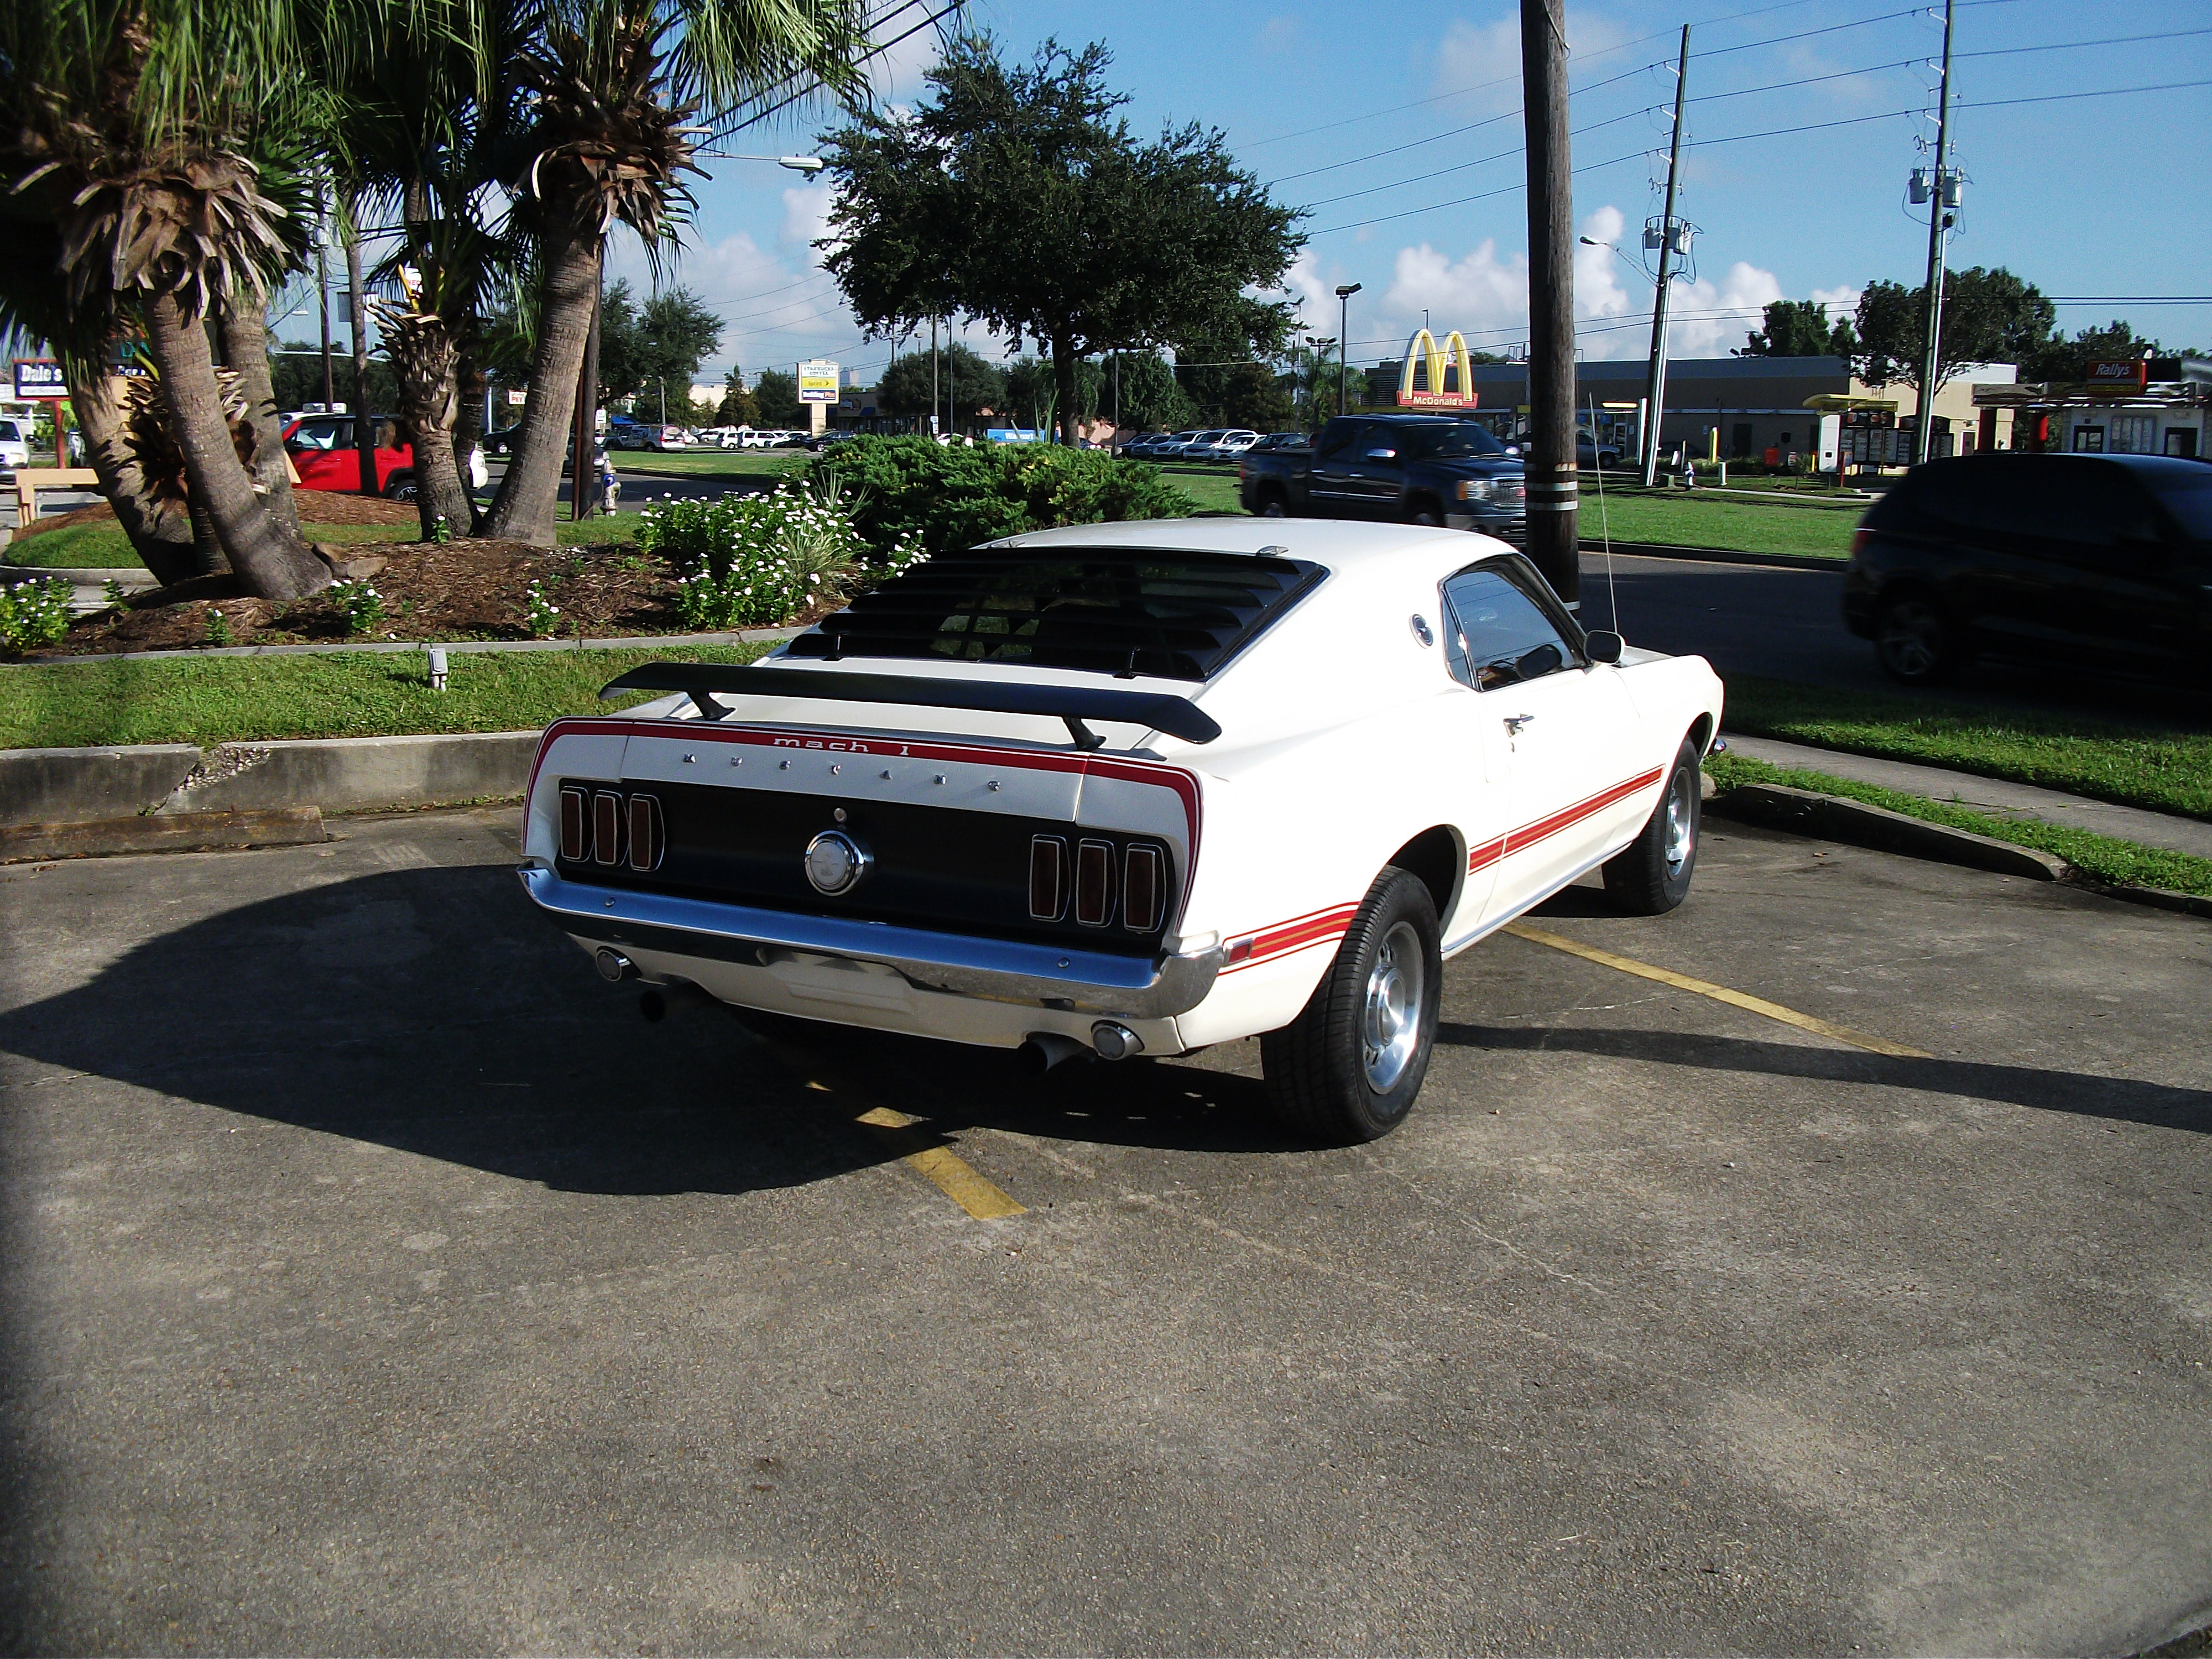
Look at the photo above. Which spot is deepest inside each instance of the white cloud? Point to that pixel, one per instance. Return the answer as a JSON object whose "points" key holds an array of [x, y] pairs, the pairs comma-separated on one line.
{"points": [[806, 216], [1280, 35], [1488, 55], [1485, 295], [1710, 319], [897, 73]]}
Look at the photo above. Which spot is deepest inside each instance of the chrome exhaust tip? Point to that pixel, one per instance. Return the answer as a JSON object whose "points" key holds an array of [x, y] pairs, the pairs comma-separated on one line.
{"points": [[614, 967], [1115, 1042], [1042, 1050]]}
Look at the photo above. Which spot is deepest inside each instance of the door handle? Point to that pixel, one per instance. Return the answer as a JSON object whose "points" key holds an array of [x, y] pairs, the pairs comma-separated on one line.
{"points": [[1515, 722]]}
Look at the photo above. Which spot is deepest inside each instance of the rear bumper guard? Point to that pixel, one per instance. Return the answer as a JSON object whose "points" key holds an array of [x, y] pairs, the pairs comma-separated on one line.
{"points": [[991, 970]]}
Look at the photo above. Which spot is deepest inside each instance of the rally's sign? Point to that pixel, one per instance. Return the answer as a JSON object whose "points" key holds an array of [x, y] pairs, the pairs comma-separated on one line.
{"points": [[2127, 373], [1437, 360], [818, 381]]}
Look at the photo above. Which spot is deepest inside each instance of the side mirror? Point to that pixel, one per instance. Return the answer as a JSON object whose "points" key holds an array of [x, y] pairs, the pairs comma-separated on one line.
{"points": [[1604, 645], [1534, 664], [1381, 454], [1513, 449]]}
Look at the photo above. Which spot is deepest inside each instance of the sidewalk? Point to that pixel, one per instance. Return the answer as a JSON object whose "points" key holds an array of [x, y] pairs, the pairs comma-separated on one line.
{"points": [[1998, 798]]}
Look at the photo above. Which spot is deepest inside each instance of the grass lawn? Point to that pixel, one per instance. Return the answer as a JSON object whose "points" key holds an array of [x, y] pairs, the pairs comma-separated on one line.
{"points": [[340, 694], [103, 546], [1697, 518], [2121, 863], [2163, 771], [709, 463], [1212, 488]]}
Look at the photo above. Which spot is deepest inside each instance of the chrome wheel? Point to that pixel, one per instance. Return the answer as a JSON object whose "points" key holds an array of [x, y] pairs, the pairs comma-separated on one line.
{"points": [[1913, 639], [1681, 821], [1390, 1018]]}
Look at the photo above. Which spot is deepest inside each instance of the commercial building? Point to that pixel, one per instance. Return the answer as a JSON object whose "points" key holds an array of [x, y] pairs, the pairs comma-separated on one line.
{"points": [[1739, 408], [2132, 406]]}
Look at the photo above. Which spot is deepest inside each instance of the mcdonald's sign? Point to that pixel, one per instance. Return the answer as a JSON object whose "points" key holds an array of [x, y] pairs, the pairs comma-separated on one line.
{"points": [[1437, 359]]}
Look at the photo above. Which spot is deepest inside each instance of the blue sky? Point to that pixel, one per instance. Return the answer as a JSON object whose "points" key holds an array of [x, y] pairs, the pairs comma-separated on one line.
{"points": [[1805, 119]]}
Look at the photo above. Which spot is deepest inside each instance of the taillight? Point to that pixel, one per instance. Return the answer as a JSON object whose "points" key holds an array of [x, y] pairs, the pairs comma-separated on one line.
{"points": [[1048, 877], [645, 841], [575, 825], [1859, 539], [1094, 883], [1142, 880], [606, 827]]}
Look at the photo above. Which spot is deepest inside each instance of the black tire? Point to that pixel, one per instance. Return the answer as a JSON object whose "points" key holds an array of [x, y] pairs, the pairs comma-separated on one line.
{"points": [[1273, 505], [1322, 1067], [1651, 875], [401, 488], [1916, 642], [1422, 510]]}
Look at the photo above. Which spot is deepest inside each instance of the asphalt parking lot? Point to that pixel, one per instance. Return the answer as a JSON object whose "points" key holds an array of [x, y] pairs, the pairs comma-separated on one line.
{"points": [[374, 1279]]}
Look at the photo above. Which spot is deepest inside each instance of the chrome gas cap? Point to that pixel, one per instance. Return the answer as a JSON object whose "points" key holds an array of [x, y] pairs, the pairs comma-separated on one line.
{"points": [[836, 862]]}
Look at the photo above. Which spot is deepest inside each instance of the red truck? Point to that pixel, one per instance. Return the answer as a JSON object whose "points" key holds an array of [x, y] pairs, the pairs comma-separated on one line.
{"points": [[323, 454]]}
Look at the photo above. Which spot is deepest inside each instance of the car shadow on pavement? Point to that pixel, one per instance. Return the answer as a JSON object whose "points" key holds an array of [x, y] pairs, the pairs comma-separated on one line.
{"points": [[431, 1011], [2079, 1092]]}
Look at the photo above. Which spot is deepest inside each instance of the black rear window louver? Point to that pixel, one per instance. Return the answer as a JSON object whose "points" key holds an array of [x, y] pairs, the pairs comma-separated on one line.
{"points": [[1173, 615]]}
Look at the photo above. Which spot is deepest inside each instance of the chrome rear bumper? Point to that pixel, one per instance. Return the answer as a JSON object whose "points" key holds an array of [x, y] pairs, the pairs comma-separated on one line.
{"points": [[994, 971]]}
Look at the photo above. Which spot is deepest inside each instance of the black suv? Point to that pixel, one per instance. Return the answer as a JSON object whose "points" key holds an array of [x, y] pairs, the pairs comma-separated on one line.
{"points": [[2104, 561]]}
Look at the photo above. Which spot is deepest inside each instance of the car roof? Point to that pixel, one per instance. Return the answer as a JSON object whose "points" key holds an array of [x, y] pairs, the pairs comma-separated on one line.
{"points": [[2153, 470], [1339, 544]]}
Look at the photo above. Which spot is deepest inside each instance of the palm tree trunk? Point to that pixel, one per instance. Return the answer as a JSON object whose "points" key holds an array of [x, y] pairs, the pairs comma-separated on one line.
{"points": [[468, 428], [241, 322], [271, 561], [161, 539], [427, 369], [531, 491]]}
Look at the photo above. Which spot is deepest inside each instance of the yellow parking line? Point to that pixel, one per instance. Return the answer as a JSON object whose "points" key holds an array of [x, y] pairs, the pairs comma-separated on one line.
{"points": [[951, 1173], [1717, 993]]}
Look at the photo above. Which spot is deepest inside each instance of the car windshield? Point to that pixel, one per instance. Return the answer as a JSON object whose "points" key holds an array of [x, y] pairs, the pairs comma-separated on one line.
{"points": [[10, 432], [1179, 616], [2191, 500], [1459, 440]]}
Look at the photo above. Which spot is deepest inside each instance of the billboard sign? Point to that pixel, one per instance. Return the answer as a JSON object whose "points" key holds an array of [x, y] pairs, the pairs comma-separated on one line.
{"points": [[818, 381], [39, 377], [2120, 374], [1012, 434]]}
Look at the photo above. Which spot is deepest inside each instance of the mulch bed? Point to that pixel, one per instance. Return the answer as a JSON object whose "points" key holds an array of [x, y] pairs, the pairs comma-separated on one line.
{"points": [[454, 590]]}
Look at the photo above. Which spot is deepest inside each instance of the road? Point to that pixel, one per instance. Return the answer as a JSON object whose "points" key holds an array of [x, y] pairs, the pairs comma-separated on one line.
{"points": [[375, 1279]]}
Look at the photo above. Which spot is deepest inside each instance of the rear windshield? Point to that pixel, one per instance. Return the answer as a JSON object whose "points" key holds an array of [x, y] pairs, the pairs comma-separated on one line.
{"points": [[1177, 615]]}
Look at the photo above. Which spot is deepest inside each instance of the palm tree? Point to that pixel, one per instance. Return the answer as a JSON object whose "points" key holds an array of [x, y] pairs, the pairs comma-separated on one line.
{"points": [[145, 128], [433, 105], [614, 87]]}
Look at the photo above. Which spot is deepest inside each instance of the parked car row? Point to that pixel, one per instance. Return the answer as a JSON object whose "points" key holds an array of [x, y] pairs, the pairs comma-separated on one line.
{"points": [[1215, 443]]}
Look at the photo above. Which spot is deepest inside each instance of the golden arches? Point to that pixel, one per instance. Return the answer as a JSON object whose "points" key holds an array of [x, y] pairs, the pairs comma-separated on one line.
{"points": [[1452, 353]]}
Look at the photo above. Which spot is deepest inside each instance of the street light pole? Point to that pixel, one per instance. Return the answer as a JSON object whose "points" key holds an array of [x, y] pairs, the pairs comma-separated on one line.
{"points": [[1655, 384], [1940, 201], [1343, 293]]}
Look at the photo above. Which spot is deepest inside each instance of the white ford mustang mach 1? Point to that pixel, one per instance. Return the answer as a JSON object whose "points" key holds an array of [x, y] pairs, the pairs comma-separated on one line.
{"points": [[1133, 789]]}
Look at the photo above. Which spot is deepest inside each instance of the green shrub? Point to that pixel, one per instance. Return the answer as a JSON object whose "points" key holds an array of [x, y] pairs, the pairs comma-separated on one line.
{"points": [[757, 561], [952, 496], [362, 606], [35, 613]]}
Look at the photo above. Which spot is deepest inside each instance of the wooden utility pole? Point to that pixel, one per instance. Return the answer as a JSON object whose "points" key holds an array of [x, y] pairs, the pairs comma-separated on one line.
{"points": [[1553, 486], [1940, 201], [1655, 400]]}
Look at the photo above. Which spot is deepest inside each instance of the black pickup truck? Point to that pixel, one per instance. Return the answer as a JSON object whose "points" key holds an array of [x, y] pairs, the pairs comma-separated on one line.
{"points": [[1409, 468]]}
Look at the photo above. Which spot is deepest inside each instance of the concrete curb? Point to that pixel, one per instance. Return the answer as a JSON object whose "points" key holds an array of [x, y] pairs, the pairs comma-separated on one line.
{"points": [[182, 832], [1716, 555], [631, 642], [357, 774], [1779, 806], [1835, 817], [339, 775]]}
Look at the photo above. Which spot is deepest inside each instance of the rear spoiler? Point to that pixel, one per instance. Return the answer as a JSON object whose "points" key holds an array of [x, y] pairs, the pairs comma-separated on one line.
{"points": [[1154, 711]]}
